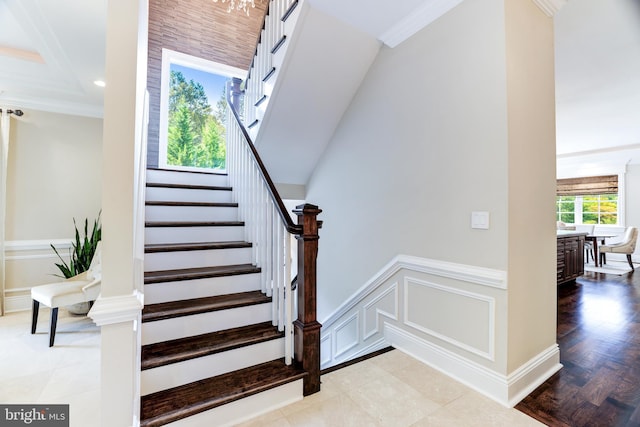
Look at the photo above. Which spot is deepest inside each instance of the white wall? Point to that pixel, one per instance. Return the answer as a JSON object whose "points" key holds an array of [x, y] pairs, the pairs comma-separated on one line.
{"points": [[54, 175], [456, 119], [422, 145], [632, 201]]}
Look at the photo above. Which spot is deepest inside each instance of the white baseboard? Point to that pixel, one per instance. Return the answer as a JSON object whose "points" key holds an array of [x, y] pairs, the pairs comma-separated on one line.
{"points": [[506, 390], [532, 374]]}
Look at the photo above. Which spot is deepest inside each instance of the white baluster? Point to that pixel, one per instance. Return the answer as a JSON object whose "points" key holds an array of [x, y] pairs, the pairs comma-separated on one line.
{"points": [[283, 278], [288, 298]]}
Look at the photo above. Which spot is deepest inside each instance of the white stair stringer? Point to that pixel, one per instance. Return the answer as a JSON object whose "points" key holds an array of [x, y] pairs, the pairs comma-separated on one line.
{"points": [[202, 323], [156, 293], [180, 373], [194, 259]]}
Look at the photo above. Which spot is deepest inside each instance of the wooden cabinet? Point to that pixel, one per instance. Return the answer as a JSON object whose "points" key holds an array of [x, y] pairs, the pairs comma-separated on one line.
{"points": [[570, 256]]}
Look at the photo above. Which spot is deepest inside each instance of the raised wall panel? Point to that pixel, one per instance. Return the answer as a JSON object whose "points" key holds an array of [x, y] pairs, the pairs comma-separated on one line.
{"points": [[461, 318], [325, 350], [385, 303], [347, 335]]}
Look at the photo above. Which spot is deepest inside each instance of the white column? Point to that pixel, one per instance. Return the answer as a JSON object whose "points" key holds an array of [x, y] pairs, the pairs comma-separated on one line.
{"points": [[119, 306]]}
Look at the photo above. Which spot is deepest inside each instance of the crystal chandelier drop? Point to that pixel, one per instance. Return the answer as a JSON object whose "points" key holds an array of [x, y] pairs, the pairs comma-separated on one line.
{"points": [[238, 5]]}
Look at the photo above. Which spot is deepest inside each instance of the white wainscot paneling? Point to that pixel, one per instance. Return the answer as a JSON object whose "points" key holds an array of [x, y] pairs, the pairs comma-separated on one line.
{"points": [[346, 335], [443, 314], [359, 330], [458, 317], [386, 303]]}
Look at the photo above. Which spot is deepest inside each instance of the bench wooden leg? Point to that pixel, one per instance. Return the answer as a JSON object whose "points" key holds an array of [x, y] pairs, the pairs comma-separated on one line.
{"points": [[54, 321], [34, 316]]}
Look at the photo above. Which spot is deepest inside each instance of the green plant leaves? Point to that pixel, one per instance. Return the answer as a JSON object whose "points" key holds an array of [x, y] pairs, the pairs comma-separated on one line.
{"points": [[82, 249]]}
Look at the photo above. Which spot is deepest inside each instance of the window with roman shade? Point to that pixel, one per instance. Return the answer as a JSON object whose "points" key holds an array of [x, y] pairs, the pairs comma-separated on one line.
{"points": [[587, 200]]}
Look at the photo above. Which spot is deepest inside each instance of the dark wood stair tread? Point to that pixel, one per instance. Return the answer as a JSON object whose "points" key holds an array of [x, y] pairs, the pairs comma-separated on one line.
{"points": [[183, 401], [194, 224], [172, 309], [181, 349], [188, 186], [161, 276], [203, 246], [203, 204]]}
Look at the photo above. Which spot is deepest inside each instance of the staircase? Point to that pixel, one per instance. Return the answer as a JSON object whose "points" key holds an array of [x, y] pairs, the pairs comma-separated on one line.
{"points": [[212, 353]]}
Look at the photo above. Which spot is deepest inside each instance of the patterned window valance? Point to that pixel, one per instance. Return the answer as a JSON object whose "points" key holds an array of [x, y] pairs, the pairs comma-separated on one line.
{"points": [[590, 185]]}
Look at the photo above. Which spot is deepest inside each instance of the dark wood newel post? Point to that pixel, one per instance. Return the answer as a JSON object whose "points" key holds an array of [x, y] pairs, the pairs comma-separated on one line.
{"points": [[236, 92], [306, 327]]}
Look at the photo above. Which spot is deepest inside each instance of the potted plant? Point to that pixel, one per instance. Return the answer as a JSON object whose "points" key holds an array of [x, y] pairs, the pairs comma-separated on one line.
{"points": [[80, 256]]}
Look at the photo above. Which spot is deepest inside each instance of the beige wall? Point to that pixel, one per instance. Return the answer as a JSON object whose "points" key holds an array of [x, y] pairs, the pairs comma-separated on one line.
{"points": [[532, 184], [54, 175]]}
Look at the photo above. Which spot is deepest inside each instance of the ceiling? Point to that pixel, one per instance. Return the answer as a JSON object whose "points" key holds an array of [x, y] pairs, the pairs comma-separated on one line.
{"points": [[49, 59], [598, 81]]}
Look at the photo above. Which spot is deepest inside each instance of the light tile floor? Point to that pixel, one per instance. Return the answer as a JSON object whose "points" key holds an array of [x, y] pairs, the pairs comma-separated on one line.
{"points": [[392, 389], [67, 373]]}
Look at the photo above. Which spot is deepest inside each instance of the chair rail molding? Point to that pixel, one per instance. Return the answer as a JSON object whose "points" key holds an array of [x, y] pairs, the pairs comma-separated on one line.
{"points": [[550, 7], [13, 248]]}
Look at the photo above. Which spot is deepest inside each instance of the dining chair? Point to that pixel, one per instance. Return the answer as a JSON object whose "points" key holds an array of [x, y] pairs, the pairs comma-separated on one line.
{"points": [[84, 287], [588, 246], [627, 246]]}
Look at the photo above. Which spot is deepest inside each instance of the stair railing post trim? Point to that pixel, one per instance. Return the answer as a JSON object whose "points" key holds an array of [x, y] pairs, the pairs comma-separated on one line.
{"points": [[307, 327]]}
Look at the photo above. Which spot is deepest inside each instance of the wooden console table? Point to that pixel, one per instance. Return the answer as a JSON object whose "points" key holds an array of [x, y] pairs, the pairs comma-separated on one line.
{"points": [[570, 255]]}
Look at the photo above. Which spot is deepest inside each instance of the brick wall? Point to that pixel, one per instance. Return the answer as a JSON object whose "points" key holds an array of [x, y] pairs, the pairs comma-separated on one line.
{"points": [[199, 28]]}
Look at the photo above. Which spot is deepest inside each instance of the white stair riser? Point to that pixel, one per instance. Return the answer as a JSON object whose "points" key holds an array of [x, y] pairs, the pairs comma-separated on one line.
{"points": [[176, 374], [242, 410], [188, 289], [194, 259], [186, 326], [191, 213], [171, 177], [187, 195], [154, 235]]}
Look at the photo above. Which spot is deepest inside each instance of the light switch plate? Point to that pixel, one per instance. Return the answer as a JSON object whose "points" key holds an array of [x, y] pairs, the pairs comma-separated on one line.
{"points": [[480, 220]]}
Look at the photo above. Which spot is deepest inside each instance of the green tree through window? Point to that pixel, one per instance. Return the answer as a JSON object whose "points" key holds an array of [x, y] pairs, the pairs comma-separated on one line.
{"points": [[590, 209], [196, 133]]}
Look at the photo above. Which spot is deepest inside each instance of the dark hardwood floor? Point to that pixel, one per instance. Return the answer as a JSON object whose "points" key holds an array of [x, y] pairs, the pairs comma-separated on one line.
{"points": [[599, 338]]}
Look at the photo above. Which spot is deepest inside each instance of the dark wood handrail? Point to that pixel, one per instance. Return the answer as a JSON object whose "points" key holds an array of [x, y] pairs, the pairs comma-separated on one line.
{"points": [[275, 196]]}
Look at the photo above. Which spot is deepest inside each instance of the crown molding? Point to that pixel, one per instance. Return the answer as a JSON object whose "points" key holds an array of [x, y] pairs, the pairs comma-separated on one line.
{"points": [[54, 106], [550, 7], [416, 20]]}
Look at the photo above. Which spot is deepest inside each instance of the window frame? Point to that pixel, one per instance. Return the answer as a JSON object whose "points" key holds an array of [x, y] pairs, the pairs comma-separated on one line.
{"points": [[621, 212], [170, 57]]}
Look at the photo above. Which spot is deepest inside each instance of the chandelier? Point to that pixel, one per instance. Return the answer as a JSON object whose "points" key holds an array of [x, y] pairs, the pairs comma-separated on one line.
{"points": [[238, 5]]}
